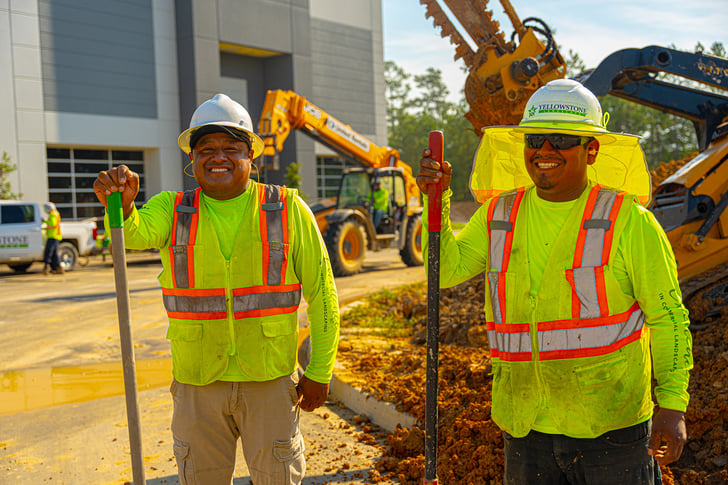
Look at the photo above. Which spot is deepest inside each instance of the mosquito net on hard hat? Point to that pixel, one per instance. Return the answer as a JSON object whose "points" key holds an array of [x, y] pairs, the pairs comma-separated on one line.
{"points": [[561, 106], [220, 113]]}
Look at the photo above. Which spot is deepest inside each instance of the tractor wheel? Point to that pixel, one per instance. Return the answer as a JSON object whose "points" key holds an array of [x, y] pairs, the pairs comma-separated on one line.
{"points": [[411, 253], [347, 245]]}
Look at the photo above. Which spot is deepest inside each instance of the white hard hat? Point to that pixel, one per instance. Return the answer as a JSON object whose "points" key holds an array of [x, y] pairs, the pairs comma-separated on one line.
{"points": [[222, 112], [49, 207], [563, 105]]}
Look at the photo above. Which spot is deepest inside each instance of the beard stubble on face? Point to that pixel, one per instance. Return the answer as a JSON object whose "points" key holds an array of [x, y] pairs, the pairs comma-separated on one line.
{"points": [[565, 181], [544, 179]]}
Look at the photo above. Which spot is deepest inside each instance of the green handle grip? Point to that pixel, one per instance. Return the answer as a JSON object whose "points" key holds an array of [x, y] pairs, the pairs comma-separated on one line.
{"points": [[116, 212]]}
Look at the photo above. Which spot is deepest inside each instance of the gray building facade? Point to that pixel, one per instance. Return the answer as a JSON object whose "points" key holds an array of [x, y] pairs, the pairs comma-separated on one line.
{"points": [[88, 84]]}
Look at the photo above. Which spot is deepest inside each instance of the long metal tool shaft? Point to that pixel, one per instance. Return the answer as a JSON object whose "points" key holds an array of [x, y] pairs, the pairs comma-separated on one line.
{"points": [[116, 223], [434, 216]]}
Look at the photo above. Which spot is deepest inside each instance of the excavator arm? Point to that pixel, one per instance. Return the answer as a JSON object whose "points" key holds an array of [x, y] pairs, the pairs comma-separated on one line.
{"points": [[502, 74], [631, 74]]}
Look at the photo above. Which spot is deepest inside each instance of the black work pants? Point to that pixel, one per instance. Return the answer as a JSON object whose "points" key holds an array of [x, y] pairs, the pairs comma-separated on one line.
{"points": [[50, 255], [617, 457]]}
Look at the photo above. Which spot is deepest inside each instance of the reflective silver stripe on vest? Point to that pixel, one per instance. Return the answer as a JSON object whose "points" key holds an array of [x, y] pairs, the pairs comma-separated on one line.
{"points": [[585, 285], [596, 227], [492, 339], [512, 342], [494, 300], [185, 210], [274, 223], [195, 304], [498, 229], [600, 336], [266, 301], [585, 278]]}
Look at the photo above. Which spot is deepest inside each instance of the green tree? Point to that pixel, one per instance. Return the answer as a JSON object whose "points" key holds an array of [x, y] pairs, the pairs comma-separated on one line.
{"points": [[6, 168], [397, 89], [293, 178], [433, 93], [413, 112], [574, 64]]}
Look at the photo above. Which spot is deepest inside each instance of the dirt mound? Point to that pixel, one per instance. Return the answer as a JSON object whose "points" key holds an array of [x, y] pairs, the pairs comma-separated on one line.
{"points": [[666, 169], [470, 446]]}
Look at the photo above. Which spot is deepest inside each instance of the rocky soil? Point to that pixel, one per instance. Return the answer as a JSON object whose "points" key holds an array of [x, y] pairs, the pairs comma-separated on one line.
{"points": [[470, 445]]}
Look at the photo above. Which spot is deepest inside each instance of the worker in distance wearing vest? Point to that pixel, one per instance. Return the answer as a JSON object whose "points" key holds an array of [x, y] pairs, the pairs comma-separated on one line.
{"points": [[53, 239], [237, 256], [582, 297], [380, 207]]}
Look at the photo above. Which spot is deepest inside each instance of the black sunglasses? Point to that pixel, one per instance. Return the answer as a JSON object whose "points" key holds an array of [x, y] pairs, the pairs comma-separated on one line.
{"points": [[559, 142]]}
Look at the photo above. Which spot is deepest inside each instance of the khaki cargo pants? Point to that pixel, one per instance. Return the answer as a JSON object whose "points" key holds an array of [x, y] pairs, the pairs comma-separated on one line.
{"points": [[208, 420]]}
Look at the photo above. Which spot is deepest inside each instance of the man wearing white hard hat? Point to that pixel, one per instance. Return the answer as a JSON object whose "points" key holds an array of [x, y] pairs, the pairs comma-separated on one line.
{"points": [[237, 256], [583, 305]]}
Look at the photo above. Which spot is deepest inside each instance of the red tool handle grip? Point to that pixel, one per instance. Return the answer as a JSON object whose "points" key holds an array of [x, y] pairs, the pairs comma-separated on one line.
{"points": [[436, 144]]}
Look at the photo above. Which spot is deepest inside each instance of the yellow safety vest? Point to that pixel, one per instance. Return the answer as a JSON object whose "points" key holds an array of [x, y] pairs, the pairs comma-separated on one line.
{"points": [[381, 199], [579, 350], [246, 308], [53, 226]]}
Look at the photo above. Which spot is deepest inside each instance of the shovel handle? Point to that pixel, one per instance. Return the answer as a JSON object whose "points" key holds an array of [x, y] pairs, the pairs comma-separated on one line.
{"points": [[434, 208], [116, 225], [116, 212], [434, 216]]}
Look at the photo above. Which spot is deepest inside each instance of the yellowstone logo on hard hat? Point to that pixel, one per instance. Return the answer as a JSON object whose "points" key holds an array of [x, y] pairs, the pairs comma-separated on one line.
{"points": [[557, 108]]}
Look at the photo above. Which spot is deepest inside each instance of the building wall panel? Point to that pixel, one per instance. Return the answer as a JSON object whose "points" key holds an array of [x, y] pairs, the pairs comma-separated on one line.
{"points": [[98, 57], [343, 80]]}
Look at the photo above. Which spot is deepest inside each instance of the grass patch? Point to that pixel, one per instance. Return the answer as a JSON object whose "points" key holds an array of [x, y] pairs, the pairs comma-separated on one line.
{"points": [[387, 312]]}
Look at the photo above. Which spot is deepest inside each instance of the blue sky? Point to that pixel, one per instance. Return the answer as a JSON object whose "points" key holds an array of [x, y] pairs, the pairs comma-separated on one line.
{"points": [[593, 29]]}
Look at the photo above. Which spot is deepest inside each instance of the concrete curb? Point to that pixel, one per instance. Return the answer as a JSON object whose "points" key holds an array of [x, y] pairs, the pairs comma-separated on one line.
{"points": [[383, 414]]}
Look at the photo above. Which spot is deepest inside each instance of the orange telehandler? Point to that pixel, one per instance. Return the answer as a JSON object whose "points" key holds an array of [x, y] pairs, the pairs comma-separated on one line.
{"points": [[347, 222], [691, 203]]}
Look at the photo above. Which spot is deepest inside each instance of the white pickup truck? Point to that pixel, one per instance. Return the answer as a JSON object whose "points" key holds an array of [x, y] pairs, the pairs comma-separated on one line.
{"points": [[22, 238]]}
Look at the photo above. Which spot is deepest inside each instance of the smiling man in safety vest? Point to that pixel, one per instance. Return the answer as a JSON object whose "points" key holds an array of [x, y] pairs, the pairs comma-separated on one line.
{"points": [[582, 299], [237, 257]]}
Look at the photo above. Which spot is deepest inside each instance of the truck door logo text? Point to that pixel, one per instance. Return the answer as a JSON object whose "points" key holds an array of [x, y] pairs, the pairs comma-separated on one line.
{"points": [[13, 241]]}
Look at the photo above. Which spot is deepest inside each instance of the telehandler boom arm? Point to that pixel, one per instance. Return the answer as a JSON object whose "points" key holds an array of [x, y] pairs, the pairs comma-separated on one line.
{"points": [[284, 111]]}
